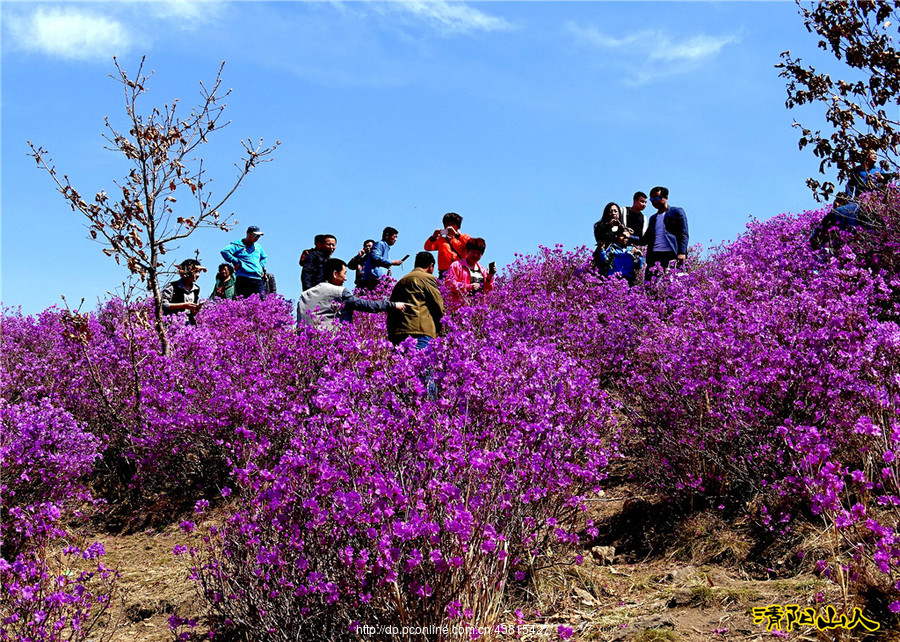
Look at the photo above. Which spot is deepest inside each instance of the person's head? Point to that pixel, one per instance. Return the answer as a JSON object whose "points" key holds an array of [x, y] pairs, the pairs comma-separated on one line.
{"points": [[389, 235], [424, 260], [225, 271], [189, 270], [639, 202], [452, 219], [253, 234], [335, 271], [659, 197], [871, 158], [611, 211], [841, 199], [326, 243], [475, 250], [367, 245], [622, 234]]}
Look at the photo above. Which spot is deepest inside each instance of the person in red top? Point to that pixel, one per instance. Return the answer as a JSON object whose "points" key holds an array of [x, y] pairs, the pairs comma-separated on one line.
{"points": [[449, 243], [466, 276]]}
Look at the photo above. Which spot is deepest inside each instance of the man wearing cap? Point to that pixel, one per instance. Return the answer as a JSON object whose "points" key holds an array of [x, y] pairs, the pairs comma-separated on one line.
{"points": [[249, 261]]}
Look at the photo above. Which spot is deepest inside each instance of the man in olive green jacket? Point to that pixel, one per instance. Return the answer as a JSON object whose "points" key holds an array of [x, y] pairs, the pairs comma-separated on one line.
{"points": [[421, 318]]}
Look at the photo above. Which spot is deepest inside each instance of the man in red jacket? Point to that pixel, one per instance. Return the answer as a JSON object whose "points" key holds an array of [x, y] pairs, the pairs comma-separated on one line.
{"points": [[449, 243]]}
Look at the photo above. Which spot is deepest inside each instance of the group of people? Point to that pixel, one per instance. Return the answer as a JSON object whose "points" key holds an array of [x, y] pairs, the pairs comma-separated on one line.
{"points": [[414, 308], [619, 234]]}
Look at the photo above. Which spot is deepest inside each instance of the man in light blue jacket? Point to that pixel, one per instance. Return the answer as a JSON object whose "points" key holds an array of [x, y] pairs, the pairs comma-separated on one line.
{"points": [[249, 261]]}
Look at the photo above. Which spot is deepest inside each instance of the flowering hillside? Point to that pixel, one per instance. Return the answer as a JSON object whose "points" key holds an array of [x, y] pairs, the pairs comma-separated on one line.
{"points": [[367, 485]]}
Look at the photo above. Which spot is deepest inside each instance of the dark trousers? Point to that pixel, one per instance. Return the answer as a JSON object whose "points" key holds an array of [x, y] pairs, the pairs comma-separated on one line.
{"points": [[658, 257], [246, 286]]}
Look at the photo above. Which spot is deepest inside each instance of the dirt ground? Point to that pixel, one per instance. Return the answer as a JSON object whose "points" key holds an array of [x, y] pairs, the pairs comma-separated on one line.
{"points": [[695, 591]]}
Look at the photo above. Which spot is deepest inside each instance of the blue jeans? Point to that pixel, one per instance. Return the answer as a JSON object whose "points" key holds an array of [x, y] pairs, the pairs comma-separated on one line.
{"points": [[421, 342]]}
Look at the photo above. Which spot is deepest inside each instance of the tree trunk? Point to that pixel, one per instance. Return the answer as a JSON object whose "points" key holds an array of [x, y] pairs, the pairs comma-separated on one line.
{"points": [[153, 282]]}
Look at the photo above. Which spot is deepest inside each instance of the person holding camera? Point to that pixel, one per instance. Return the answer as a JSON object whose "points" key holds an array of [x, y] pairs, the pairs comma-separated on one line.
{"points": [[359, 260], [449, 242], [466, 276], [618, 258]]}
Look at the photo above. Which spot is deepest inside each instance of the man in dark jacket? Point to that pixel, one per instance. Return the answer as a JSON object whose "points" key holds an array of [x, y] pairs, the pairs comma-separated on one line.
{"points": [[634, 217], [667, 232], [313, 260], [421, 318]]}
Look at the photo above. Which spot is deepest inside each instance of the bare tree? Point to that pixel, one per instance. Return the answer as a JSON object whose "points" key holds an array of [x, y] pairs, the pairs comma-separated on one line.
{"points": [[141, 226], [864, 113]]}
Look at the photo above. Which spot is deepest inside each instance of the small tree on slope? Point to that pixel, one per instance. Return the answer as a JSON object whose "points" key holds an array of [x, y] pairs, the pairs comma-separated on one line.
{"points": [[142, 225]]}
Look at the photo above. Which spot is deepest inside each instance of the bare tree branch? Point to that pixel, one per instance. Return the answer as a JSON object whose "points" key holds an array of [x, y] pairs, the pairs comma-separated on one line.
{"points": [[140, 226]]}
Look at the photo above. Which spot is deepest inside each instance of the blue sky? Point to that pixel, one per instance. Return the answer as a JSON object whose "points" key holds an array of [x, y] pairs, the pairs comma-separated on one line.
{"points": [[524, 117]]}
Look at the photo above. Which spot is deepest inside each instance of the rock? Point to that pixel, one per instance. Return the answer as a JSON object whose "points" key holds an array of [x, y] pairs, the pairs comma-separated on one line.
{"points": [[586, 598], [684, 597], [681, 574], [604, 555], [654, 622]]}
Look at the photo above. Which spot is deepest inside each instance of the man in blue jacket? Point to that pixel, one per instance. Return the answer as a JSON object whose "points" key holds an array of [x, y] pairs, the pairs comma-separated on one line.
{"points": [[249, 261], [667, 232], [379, 263]]}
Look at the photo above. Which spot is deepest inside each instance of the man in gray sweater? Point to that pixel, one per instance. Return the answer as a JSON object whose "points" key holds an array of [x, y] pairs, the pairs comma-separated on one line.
{"points": [[328, 302]]}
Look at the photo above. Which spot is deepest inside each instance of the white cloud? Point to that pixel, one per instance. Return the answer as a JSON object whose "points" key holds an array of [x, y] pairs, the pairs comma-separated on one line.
{"points": [[691, 49], [70, 33], [187, 14], [653, 54], [592, 36], [451, 17]]}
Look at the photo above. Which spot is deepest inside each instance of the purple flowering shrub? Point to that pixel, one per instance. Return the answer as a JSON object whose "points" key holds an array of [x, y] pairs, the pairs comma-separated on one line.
{"points": [[44, 453], [46, 593], [394, 506], [233, 389], [376, 485], [64, 596], [762, 335]]}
